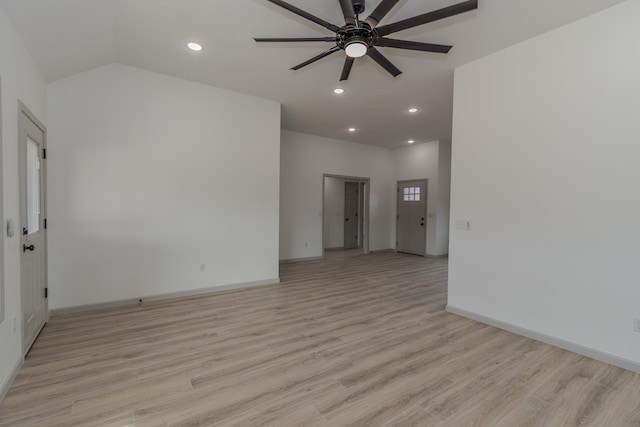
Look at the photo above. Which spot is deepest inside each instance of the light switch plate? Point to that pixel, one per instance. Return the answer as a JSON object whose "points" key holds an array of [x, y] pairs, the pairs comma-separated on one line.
{"points": [[463, 225]]}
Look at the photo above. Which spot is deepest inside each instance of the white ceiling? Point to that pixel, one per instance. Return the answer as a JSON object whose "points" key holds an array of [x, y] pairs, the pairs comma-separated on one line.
{"points": [[70, 36]]}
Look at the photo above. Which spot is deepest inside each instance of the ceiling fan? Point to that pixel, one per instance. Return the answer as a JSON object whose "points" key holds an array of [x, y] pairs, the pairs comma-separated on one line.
{"points": [[359, 38]]}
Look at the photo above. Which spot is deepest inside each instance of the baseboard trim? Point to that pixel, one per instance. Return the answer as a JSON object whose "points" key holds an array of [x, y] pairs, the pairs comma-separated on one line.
{"points": [[292, 260], [161, 297], [611, 359], [6, 385], [443, 256]]}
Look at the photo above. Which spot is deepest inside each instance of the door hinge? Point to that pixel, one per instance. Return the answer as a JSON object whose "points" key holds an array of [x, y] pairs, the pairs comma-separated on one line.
{"points": [[44, 153], [46, 292], [45, 223]]}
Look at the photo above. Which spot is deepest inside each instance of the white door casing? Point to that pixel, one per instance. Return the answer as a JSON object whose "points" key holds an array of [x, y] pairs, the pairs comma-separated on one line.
{"points": [[364, 188], [33, 260]]}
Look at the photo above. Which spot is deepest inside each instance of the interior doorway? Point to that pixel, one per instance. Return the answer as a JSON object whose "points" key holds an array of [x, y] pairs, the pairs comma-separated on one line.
{"points": [[33, 226], [411, 217], [345, 213]]}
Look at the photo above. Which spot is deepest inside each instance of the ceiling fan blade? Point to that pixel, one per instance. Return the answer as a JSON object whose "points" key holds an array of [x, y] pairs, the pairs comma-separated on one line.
{"points": [[348, 11], [380, 12], [383, 62], [316, 58], [298, 39], [436, 15], [305, 15], [348, 63], [409, 45]]}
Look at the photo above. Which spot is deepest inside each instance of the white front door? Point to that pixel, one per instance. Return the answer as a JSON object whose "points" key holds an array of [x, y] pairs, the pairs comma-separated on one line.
{"points": [[411, 228], [33, 228]]}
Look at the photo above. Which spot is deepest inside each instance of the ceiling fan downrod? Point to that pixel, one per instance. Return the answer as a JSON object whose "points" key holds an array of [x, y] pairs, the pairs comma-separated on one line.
{"points": [[358, 6]]}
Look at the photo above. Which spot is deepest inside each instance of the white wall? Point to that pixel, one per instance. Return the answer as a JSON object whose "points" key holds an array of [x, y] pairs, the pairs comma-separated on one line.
{"points": [[151, 176], [545, 166], [444, 197], [20, 80], [333, 213], [304, 160], [421, 161]]}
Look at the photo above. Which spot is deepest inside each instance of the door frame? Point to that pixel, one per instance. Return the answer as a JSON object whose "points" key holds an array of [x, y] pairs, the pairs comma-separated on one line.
{"points": [[367, 185], [426, 210], [23, 109], [2, 301], [2, 294]]}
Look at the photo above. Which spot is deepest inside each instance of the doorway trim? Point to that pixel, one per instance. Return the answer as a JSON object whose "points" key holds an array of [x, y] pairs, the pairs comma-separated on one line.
{"points": [[367, 185], [2, 301], [23, 109]]}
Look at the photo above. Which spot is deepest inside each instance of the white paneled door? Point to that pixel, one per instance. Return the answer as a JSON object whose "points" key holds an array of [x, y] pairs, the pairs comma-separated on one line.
{"points": [[33, 245], [411, 228]]}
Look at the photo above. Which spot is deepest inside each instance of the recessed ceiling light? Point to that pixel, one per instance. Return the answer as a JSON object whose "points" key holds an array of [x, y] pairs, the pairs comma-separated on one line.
{"points": [[411, 141], [196, 47], [352, 129], [338, 91], [413, 110]]}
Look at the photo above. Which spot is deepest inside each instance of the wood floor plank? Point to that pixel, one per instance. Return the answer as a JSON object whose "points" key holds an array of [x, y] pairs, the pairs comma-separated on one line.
{"points": [[531, 412], [625, 411], [569, 382], [345, 341]]}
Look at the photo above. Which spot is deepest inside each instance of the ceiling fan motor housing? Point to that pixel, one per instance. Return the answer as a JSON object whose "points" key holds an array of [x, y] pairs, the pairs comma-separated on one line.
{"points": [[358, 6], [350, 34]]}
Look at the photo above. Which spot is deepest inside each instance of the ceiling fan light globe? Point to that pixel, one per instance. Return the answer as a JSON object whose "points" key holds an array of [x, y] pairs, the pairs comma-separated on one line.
{"points": [[356, 49]]}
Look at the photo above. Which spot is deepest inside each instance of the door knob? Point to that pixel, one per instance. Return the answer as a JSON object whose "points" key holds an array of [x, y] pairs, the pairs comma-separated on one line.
{"points": [[26, 248]]}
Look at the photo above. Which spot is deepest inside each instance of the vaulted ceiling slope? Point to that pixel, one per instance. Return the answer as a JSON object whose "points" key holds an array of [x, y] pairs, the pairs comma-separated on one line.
{"points": [[70, 36]]}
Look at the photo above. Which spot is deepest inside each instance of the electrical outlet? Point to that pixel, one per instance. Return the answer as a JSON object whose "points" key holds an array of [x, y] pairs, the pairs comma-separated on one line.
{"points": [[636, 324]]}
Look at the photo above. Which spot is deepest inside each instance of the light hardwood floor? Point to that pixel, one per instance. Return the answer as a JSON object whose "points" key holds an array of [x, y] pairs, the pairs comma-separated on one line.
{"points": [[346, 341]]}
